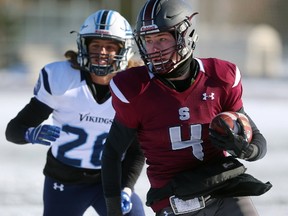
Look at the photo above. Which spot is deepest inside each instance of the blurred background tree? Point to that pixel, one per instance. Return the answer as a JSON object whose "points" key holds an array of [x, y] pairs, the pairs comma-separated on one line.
{"points": [[35, 32], [8, 36]]}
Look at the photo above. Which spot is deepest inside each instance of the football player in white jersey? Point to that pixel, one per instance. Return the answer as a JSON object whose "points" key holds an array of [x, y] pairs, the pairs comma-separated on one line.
{"points": [[76, 93]]}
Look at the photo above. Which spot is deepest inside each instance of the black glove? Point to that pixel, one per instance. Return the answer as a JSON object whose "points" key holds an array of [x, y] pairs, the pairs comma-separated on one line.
{"points": [[235, 144]]}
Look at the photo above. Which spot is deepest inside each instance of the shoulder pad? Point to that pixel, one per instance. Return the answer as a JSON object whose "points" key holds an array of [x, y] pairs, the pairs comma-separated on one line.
{"points": [[130, 83], [221, 70], [58, 77]]}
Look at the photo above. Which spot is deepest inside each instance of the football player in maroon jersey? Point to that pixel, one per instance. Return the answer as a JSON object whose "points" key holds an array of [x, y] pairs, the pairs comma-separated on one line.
{"points": [[168, 105]]}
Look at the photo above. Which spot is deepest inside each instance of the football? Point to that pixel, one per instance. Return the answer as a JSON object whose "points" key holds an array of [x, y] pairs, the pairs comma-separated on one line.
{"points": [[230, 118]]}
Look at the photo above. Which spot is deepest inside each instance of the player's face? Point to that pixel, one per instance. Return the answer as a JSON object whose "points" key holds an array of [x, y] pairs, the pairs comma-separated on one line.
{"points": [[162, 44], [102, 52]]}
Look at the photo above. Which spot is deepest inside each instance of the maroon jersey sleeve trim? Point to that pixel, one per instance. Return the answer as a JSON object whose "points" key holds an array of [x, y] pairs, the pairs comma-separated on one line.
{"points": [[237, 77], [117, 92]]}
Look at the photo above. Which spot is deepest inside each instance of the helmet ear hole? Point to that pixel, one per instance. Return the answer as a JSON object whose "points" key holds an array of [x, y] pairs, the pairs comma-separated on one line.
{"points": [[194, 40], [87, 41], [192, 32], [191, 42]]}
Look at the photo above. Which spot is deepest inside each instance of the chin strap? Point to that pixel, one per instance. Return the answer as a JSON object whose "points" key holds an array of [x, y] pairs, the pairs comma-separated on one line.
{"points": [[180, 69]]}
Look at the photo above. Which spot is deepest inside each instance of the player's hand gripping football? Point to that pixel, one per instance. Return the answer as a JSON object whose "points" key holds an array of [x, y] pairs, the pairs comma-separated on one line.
{"points": [[42, 134], [235, 144], [126, 203]]}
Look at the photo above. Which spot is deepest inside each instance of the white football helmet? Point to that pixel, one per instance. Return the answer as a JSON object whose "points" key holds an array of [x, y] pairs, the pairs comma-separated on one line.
{"points": [[105, 24]]}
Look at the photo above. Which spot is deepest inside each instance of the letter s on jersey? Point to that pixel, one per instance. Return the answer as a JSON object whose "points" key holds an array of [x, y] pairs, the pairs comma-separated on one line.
{"points": [[184, 113]]}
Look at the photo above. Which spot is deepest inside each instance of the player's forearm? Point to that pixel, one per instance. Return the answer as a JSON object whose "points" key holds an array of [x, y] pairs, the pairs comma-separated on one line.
{"points": [[15, 132], [258, 141], [113, 205], [111, 170], [114, 148], [132, 165], [260, 147]]}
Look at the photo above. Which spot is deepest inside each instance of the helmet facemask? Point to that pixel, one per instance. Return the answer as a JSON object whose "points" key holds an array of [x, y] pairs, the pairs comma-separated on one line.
{"points": [[102, 69], [157, 61]]}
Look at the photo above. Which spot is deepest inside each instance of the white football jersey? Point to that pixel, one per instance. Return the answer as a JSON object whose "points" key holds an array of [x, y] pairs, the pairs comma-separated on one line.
{"points": [[85, 123]]}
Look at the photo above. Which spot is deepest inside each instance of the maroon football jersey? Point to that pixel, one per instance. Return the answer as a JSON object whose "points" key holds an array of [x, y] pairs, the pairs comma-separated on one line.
{"points": [[173, 126]]}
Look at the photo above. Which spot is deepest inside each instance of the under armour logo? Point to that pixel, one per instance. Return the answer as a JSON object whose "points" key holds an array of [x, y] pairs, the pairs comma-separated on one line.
{"points": [[166, 213], [60, 187], [208, 96]]}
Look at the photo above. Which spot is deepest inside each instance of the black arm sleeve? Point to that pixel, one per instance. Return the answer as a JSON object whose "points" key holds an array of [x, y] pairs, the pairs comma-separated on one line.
{"points": [[132, 165], [258, 140], [117, 143], [33, 114]]}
